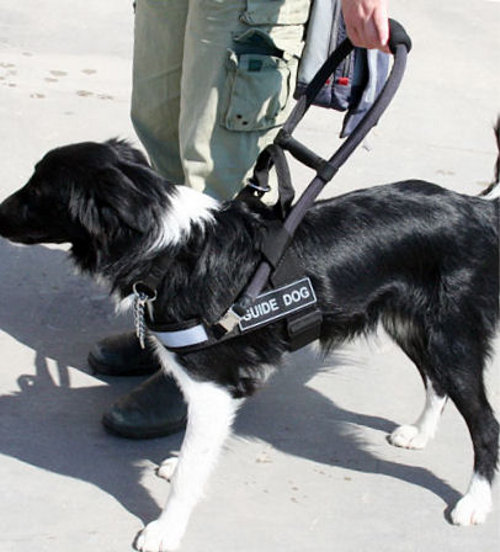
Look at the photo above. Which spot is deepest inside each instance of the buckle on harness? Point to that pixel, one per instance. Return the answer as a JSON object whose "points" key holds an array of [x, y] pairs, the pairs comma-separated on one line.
{"points": [[230, 320], [255, 185]]}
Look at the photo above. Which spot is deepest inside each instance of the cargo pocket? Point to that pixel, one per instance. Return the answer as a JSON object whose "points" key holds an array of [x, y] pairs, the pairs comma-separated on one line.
{"points": [[276, 12], [259, 85]]}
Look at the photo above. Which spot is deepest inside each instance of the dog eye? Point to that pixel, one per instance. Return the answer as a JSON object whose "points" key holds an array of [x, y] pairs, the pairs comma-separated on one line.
{"points": [[34, 192]]}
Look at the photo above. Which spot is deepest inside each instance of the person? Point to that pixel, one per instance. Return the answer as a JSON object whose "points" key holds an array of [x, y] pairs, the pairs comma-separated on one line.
{"points": [[212, 84], [367, 23]]}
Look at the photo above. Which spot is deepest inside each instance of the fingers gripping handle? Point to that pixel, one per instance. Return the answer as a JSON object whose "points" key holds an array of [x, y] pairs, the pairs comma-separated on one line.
{"points": [[397, 36]]}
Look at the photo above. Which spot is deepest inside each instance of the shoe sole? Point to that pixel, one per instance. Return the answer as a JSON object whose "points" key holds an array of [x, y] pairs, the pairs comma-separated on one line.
{"points": [[139, 434]]}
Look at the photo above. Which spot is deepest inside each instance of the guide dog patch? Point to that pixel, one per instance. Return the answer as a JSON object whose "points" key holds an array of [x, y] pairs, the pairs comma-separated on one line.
{"points": [[278, 303]]}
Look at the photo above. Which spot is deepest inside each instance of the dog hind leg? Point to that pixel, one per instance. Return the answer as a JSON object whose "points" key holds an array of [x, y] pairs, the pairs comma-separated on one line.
{"points": [[417, 435], [211, 411], [460, 359], [450, 357], [411, 336], [470, 399]]}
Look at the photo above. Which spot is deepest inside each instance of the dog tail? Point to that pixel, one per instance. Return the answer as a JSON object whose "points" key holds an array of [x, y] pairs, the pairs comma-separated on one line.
{"points": [[493, 190]]}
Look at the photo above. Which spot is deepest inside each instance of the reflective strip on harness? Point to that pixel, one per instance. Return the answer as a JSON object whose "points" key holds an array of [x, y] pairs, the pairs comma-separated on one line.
{"points": [[183, 338]]}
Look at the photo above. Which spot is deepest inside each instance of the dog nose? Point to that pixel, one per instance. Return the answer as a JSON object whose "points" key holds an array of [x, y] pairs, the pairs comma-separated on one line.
{"points": [[8, 216], [3, 221]]}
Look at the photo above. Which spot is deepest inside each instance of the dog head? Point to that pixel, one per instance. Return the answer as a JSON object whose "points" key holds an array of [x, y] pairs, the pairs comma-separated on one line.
{"points": [[76, 192], [98, 197], [106, 201]]}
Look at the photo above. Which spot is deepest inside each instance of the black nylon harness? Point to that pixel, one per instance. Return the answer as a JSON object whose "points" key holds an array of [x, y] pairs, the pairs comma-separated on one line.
{"points": [[289, 295]]}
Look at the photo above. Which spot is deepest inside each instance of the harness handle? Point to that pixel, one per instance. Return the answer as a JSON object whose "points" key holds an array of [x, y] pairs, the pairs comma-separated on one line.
{"points": [[398, 37], [400, 45]]}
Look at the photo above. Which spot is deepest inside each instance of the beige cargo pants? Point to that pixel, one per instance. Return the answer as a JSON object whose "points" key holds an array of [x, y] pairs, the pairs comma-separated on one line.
{"points": [[212, 83]]}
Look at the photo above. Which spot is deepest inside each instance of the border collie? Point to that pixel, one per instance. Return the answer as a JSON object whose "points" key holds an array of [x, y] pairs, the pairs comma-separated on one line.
{"points": [[421, 260]]}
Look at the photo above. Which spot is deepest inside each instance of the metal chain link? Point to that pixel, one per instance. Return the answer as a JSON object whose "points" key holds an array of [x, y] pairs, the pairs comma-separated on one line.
{"points": [[140, 300]]}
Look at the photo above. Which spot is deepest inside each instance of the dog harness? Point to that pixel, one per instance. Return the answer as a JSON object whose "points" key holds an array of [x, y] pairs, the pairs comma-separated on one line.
{"points": [[279, 289]]}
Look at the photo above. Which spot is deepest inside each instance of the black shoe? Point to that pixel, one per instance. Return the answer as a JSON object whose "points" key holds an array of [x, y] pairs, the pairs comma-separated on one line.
{"points": [[121, 355], [154, 409]]}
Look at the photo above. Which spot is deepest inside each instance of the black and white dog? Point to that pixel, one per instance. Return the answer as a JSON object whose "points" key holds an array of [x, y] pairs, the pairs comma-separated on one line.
{"points": [[420, 260]]}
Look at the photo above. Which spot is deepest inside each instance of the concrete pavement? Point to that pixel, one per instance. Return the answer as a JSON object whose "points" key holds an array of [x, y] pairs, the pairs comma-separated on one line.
{"points": [[308, 468]]}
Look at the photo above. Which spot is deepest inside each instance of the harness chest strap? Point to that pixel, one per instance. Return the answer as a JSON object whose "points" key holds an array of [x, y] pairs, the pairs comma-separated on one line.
{"points": [[295, 302]]}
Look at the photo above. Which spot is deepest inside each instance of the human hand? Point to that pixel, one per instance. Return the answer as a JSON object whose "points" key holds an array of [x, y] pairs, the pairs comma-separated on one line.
{"points": [[367, 23]]}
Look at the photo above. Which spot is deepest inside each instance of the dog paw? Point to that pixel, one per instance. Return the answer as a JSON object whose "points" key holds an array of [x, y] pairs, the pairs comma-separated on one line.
{"points": [[155, 537], [408, 436], [470, 510], [167, 468]]}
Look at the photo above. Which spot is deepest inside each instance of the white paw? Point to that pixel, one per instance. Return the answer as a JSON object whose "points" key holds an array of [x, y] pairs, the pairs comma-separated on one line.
{"points": [[470, 510], [167, 468], [156, 537], [408, 436]]}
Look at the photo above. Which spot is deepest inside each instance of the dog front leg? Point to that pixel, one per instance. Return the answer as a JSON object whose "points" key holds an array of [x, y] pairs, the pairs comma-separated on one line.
{"points": [[211, 411]]}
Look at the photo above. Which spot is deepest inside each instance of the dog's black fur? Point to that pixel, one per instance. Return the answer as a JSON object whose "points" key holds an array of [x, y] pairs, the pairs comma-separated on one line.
{"points": [[421, 260]]}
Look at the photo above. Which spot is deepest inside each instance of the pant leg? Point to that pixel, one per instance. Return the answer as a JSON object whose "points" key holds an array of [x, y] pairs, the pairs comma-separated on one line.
{"points": [[212, 84], [238, 77], [157, 65]]}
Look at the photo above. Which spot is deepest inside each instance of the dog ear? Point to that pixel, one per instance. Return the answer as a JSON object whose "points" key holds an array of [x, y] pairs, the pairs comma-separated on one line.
{"points": [[126, 152], [112, 204]]}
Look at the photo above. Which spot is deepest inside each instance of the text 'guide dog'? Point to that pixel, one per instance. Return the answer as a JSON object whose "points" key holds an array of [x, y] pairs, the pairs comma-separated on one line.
{"points": [[421, 260]]}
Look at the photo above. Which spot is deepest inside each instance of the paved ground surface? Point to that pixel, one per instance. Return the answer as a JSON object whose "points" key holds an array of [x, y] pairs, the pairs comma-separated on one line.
{"points": [[308, 468]]}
